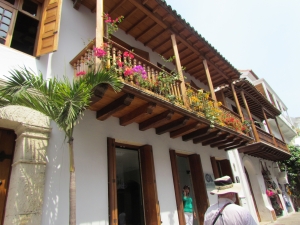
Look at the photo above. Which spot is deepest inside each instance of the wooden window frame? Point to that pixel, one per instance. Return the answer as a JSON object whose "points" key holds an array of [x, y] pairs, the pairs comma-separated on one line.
{"points": [[148, 180], [48, 12]]}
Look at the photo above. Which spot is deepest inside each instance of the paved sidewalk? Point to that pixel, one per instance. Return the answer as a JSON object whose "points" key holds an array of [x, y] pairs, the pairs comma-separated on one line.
{"points": [[290, 219]]}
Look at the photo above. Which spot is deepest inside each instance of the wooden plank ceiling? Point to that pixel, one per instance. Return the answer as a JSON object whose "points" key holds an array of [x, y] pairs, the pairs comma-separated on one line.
{"points": [[134, 105], [152, 22], [255, 100], [265, 151]]}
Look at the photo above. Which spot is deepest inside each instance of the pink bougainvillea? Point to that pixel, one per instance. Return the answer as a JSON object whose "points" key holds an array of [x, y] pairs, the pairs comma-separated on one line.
{"points": [[99, 52], [80, 73]]}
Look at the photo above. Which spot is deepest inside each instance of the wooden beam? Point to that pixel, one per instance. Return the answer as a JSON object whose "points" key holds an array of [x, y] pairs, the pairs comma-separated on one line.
{"points": [[98, 93], [148, 13], [206, 137], [114, 106], [179, 70], [146, 109], [153, 38], [156, 120], [147, 31], [236, 146], [217, 139], [256, 136], [217, 144], [99, 24], [236, 100], [131, 13], [187, 129], [173, 125], [136, 24], [230, 144], [211, 87], [279, 128], [117, 6], [198, 133]]}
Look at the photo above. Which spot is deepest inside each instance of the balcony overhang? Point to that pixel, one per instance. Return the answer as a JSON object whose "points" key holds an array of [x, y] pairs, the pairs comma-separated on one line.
{"points": [[152, 23], [265, 151], [255, 100], [150, 110]]}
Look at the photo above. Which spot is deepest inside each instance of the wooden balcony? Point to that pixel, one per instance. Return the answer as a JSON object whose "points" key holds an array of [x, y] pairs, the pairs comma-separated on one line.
{"points": [[268, 147], [160, 107]]}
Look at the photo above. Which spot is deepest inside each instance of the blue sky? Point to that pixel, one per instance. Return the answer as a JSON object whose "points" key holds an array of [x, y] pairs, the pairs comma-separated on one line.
{"points": [[262, 35]]}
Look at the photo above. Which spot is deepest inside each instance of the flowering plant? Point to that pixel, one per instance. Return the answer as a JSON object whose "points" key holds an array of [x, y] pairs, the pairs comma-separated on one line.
{"points": [[200, 102], [112, 25]]}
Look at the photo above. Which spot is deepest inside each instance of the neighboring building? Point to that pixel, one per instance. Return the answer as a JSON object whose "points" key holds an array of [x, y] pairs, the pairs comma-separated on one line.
{"points": [[271, 131], [136, 149]]}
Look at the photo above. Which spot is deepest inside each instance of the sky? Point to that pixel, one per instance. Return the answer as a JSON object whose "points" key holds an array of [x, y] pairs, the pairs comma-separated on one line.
{"points": [[261, 35]]}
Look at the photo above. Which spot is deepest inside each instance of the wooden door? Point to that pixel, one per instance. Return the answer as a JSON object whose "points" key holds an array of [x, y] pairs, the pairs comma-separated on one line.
{"points": [[199, 186], [151, 204], [7, 145]]}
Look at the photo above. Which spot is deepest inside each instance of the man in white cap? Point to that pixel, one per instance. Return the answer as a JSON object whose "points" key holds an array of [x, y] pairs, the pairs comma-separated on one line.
{"points": [[225, 212]]}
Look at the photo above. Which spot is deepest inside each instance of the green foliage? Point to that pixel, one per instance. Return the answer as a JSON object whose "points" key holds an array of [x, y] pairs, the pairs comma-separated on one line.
{"points": [[61, 100], [293, 167]]}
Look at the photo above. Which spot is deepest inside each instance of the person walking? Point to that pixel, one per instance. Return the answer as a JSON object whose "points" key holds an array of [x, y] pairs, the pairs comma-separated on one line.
{"points": [[189, 213], [225, 212]]}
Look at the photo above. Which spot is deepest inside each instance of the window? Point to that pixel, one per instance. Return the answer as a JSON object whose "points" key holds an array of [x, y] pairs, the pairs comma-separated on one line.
{"points": [[234, 109], [30, 26]]}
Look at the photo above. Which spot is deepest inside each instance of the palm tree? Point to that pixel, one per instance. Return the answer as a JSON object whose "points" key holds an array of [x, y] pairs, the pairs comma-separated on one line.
{"points": [[61, 100]]}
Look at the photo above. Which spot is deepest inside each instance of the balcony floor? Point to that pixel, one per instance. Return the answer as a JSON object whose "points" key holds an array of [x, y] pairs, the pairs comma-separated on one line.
{"points": [[150, 110]]}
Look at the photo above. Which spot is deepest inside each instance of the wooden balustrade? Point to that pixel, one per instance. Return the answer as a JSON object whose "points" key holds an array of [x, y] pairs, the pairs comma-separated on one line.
{"points": [[281, 144], [264, 136], [85, 61]]}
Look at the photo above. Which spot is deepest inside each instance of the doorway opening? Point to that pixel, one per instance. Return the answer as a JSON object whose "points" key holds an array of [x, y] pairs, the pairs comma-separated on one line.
{"points": [[7, 146], [129, 187]]}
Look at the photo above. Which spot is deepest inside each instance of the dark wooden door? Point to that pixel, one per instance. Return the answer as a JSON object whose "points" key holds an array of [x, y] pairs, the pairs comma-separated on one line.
{"points": [[7, 145]]}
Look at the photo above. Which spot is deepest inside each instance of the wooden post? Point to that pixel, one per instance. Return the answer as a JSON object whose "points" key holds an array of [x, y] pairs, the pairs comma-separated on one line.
{"points": [[279, 128], [99, 28], [179, 69], [266, 119], [269, 128], [250, 117], [211, 87], [237, 102]]}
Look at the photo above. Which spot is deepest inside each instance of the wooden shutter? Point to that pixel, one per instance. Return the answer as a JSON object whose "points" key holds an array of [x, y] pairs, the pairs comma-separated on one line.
{"points": [[49, 27], [112, 185], [214, 167], [199, 186], [226, 170], [151, 205], [178, 194]]}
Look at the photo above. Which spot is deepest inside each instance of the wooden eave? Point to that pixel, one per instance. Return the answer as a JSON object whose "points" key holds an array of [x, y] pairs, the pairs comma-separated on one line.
{"points": [[149, 110], [255, 100], [152, 22], [265, 151]]}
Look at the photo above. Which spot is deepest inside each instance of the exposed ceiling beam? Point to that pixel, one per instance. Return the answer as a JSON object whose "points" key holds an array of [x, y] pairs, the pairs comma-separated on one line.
{"points": [[146, 109], [156, 120], [114, 106]]}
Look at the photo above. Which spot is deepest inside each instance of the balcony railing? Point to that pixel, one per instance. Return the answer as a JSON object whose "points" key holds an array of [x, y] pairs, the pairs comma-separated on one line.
{"points": [[84, 61], [159, 82], [268, 138]]}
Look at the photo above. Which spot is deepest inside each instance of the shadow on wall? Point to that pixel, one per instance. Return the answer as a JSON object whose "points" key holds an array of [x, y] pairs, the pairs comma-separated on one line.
{"points": [[258, 188]]}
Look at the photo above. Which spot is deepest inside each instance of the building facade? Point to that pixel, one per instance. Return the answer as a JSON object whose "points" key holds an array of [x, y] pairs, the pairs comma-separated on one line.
{"points": [[136, 149]]}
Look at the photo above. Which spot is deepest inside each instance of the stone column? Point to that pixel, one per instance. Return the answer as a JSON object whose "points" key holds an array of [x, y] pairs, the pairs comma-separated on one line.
{"points": [[27, 180]]}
